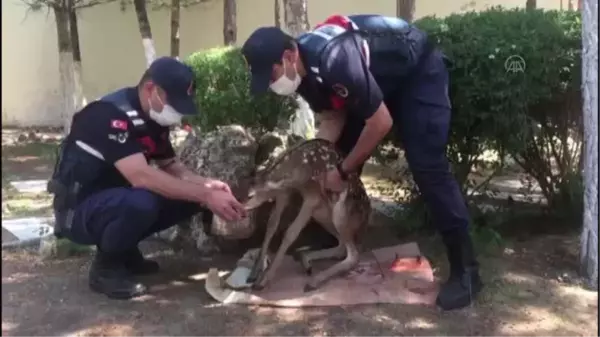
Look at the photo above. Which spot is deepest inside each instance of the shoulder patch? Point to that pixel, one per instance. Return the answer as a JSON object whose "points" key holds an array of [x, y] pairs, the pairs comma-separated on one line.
{"points": [[341, 90]]}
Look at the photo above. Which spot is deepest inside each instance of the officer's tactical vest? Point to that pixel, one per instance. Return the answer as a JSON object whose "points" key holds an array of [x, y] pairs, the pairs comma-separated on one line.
{"points": [[119, 99], [390, 46], [79, 163]]}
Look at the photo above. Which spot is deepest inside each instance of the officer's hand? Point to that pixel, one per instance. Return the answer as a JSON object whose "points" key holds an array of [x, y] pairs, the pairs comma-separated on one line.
{"points": [[332, 181], [225, 205], [217, 185]]}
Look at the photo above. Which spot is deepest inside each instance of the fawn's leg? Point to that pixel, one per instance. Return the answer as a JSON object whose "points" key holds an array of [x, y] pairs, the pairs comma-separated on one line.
{"points": [[346, 227], [291, 234], [345, 265], [280, 202], [338, 252]]}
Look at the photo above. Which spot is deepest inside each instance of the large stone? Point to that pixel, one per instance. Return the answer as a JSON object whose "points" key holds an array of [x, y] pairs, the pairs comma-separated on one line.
{"points": [[231, 154], [228, 154]]}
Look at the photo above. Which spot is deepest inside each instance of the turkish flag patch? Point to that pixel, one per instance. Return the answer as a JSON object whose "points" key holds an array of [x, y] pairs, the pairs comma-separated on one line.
{"points": [[118, 124]]}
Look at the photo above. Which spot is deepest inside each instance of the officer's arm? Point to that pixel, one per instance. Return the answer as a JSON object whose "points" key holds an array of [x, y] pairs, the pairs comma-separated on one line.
{"points": [[136, 170], [106, 131], [347, 75], [331, 123], [176, 168]]}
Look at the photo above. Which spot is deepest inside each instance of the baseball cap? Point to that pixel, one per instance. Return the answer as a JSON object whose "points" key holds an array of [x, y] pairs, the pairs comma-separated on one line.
{"points": [[262, 50], [177, 80]]}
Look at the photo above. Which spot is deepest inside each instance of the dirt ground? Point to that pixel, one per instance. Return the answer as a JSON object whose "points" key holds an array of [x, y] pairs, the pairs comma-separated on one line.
{"points": [[531, 288]]}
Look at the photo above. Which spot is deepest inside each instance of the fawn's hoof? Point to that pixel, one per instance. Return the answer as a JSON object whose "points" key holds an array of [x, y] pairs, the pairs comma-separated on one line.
{"points": [[251, 278], [258, 287], [297, 256], [309, 287], [306, 264]]}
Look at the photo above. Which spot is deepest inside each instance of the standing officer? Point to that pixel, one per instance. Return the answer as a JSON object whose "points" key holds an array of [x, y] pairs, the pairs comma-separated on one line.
{"points": [[107, 194], [361, 74]]}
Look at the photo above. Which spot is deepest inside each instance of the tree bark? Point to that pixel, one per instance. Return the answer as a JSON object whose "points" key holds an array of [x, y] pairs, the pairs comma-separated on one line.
{"points": [[589, 235], [531, 4], [80, 99], [405, 9], [145, 31], [65, 63], [295, 16], [229, 22], [175, 17], [277, 13]]}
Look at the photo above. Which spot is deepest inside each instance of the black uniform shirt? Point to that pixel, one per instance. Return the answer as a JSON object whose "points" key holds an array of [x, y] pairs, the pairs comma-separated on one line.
{"points": [[342, 80], [108, 133]]}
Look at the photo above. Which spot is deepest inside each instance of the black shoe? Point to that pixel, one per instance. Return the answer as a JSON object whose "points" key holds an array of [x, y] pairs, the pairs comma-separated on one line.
{"points": [[109, 276], [464, 282], [138, 265]]}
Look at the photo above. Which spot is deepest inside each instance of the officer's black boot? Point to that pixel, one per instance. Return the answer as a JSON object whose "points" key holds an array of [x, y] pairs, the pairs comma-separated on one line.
{"points": [[464, 282], [109, 276], [138, 265]]}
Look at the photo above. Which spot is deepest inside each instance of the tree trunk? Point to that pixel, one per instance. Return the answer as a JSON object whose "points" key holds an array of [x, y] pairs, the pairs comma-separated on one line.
{"points": [[145, 31], [531, 4], [295, 16], [175, 17], [65, 63], [229, 22], [570, 5], [405, 9], [277, 13], [80, 99], [589, 234]]}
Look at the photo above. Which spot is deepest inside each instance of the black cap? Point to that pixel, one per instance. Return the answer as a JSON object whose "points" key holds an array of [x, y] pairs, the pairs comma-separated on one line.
{"points": [[262, 50], [177, 80]]}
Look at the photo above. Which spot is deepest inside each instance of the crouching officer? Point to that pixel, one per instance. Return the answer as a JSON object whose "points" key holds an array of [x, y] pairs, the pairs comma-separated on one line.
{"points": [[106, 193], [362, 74]]}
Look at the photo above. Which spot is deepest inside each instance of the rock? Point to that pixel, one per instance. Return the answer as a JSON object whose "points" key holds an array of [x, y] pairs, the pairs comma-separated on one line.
{"points": [[33, 136], [228, 154], [233, 155], [272, 144]]}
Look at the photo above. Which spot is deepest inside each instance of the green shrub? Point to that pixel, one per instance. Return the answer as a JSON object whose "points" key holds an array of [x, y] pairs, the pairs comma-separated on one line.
{"points": [[527, 115], [223, 93], [493, 107]]}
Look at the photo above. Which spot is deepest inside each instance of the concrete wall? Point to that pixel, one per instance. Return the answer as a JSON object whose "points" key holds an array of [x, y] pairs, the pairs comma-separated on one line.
{"points": [[112, 51]]}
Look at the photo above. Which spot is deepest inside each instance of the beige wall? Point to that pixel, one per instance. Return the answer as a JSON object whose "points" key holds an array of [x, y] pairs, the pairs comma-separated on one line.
{"points": [[112, 52]]}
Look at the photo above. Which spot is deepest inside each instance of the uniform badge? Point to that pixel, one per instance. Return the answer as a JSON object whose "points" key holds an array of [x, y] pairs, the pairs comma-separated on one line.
{"points": [[118, 124], [119, 137], [341, 90], [122, 137]]}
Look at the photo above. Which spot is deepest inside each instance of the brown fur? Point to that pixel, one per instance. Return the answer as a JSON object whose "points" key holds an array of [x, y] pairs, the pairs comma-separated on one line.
{"points": [[343, 214]]}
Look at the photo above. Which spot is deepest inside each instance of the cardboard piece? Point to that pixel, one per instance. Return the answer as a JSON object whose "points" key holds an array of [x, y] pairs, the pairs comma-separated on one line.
{"points": [[396, 274]]}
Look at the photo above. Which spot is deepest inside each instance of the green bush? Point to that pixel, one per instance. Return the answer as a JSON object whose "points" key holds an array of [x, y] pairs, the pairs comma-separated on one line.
{"points": [[493, 107], [527, 115], [223, 93]]}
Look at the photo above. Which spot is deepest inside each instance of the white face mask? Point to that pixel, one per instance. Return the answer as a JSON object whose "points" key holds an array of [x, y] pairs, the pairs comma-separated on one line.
{"points": [[167, 117], [284, 85]]}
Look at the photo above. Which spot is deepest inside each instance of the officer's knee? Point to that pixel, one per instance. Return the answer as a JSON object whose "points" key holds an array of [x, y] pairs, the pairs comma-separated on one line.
{"points": [[141, 206]]}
